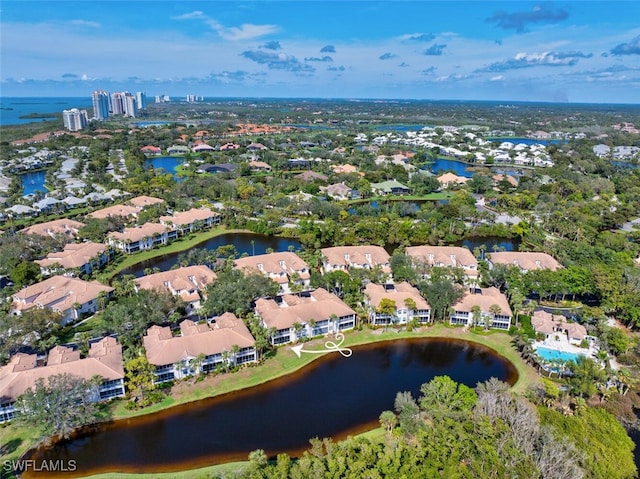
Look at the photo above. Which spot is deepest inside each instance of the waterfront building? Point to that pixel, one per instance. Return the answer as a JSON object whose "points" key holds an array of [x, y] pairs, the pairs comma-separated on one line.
{"points": [[74, 119], [117, 103], [294, 317], [285, 268], [426, 257], [390, 187], [141, 100], [130, 105], [188, 283], [191, 220], [24, 370], [200, 348], [409, 304], [343, 258], [524, 260], [492, 310], [140, 238], [101, 104]]}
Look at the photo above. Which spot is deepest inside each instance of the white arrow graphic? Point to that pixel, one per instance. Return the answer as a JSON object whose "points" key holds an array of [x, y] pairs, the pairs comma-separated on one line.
{"points": [[329, 345]]}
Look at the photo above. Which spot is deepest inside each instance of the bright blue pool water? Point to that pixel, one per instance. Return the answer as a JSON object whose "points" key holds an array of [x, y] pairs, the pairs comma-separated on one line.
{"points": [[555, 355]]}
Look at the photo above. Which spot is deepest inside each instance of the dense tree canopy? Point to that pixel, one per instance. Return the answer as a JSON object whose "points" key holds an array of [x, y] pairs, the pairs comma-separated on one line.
{"points": [[453, 431], [234, 291], [59, 405]]}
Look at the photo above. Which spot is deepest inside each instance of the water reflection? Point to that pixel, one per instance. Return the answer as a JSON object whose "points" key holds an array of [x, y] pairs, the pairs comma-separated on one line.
{"points": [[332, 397]]}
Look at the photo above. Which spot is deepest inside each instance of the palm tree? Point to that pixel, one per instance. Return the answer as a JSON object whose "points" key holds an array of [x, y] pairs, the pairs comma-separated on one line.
{"points": [[476, 315], [225, 360], [313, 323], [494, 309], [235, 349], [197, 363], [297, 327], [334, 319]]}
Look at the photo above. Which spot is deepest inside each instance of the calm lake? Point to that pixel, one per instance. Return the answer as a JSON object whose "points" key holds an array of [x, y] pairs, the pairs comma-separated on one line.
{"points": [[250, 243], [167, 163], [332, 397]]}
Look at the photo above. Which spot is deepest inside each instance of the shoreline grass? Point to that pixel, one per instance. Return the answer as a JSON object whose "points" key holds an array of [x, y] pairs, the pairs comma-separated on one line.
{"points": [[180, 245], [284, 362]]}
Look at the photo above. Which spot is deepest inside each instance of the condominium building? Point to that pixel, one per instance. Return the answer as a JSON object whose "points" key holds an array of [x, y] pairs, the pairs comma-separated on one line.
{"points": [[70, 297], [188, 283], [101, 104], [141, 100], [117, 103], [309, 314], [74, 119], [199, 347], [285, 268], [409, 304], [24, 370], [524, 260], [343, 258]]}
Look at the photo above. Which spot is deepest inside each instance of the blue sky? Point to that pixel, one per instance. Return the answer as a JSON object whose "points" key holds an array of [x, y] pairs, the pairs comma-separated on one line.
{"points": [[576, 51]]}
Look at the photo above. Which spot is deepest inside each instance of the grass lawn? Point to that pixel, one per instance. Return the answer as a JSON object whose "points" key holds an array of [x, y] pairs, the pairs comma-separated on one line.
{"points": [[183, 244], [203, 472], [284, 361]]}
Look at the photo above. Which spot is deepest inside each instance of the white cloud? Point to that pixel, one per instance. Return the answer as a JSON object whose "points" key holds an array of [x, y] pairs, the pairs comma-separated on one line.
{"points": [[497, 78], [246, 31], [190, 15], [84, 23]]}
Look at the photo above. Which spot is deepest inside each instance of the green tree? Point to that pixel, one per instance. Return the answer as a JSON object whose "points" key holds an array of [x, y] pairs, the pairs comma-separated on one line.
{"points": [[442, 394], [476, 314], [388, 421], [235, 292], [140, 376], [60, 404], [441, 295], [388, 308], [25, 274]]}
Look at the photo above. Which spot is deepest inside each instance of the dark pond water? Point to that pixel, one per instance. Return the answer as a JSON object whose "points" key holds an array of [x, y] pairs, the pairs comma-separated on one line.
{"points": [[332, 397], [242, 242], [491, 243], [33, 181]]}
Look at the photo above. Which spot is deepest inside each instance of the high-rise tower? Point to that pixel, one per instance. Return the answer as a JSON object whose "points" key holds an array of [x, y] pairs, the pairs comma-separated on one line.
{"points": [[100, 104], [74, 119], [141, 100]]}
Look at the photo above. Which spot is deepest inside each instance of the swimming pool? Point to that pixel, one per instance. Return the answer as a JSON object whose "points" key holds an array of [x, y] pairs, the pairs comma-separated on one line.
{"points": [[555, 355]]}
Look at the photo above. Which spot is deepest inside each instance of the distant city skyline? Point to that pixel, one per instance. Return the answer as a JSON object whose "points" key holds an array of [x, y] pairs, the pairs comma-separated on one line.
{"points": [[583, 52]]}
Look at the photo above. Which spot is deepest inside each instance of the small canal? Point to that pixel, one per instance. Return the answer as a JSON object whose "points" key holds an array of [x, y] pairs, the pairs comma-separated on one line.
{"points": [[332, 397]]}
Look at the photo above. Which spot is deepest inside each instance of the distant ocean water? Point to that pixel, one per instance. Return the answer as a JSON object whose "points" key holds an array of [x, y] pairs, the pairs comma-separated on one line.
{"points": [[12, 108]]}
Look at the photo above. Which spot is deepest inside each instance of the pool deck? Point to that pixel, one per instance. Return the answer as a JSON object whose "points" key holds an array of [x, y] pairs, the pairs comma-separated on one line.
{"points": [[561, 343]]}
